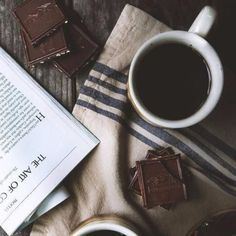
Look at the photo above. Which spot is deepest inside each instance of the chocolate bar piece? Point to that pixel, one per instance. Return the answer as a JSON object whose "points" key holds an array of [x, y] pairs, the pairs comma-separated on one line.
{"points": [[73, 16], [152, 154], [161, 182], [134, 185], [83, 48], [39, 18], [50, 47]]}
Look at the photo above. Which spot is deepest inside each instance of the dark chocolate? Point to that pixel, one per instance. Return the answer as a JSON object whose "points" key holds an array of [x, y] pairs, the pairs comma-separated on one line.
{"points": [[50, 47], [83, 50], [135, 187], [73, 16], [151, 154], [39, 18], [161, 181]]}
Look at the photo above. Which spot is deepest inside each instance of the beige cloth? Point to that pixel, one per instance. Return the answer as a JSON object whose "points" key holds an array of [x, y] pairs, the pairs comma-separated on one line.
{"points": [[99, 184]]}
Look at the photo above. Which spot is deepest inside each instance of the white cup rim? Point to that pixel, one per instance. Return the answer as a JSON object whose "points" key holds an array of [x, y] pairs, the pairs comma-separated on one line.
{"points": [[215, 67], [91, 228], [106, 222]]}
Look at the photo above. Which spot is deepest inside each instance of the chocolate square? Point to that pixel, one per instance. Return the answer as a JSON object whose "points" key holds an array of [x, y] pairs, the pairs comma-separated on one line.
{"points": [[161, 181], [83, 49], [39, 18], [151, 154], [50, 47], [135, 187]]}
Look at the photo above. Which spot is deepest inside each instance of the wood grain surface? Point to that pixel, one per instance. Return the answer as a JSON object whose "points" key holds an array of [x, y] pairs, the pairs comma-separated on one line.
{"points": [[100, 17]]}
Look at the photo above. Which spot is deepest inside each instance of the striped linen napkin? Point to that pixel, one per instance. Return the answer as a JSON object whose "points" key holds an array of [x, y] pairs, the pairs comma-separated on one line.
{"points": [[99, 185]]}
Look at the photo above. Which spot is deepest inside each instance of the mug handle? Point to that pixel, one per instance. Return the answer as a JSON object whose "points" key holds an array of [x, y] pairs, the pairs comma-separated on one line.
{"points": [[204, 21]]}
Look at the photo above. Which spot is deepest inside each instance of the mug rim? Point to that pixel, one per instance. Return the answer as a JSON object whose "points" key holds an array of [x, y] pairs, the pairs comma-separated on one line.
{"points": [[214, 65]]}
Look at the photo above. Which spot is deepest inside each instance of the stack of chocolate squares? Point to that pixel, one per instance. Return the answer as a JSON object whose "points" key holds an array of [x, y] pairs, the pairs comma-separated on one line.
{"points": [[49, 33], [159, 179]]}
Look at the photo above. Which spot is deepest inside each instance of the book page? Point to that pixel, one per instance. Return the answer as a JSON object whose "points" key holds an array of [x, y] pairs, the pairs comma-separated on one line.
{"points": [[56, 197], [39, 144]]}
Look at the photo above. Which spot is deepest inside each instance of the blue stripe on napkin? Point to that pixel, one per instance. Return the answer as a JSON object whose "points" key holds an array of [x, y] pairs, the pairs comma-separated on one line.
{"points": [[231, 152], [107, 85], [109, 72], [119, 120]]}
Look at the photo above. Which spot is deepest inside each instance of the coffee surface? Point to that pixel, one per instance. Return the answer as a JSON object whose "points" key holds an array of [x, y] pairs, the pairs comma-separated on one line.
{"points": [[105, 233], [172, 81], [222, 225]]}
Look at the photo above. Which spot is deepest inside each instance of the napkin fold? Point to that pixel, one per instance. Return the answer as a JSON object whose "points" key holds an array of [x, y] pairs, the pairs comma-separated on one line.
{"points": [[99, 184]]}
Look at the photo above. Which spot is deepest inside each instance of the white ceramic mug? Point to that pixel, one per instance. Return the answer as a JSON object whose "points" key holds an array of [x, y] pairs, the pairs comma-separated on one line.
{"points": [[194, 38]]}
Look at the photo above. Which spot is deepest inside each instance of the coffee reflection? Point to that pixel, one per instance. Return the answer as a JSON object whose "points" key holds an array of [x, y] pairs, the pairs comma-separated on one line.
{"points": [[221, 225]]}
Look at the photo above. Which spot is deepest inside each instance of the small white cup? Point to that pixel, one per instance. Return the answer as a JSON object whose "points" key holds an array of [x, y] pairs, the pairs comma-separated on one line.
{"points": [[106, 222], [194, 38]]}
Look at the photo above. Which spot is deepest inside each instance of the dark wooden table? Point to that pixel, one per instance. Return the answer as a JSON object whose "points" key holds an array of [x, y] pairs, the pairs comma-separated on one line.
{"points": [[100, 17]]}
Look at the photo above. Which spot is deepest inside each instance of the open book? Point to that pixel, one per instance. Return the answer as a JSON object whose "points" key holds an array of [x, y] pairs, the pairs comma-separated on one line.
{"points": [[40, 143]]}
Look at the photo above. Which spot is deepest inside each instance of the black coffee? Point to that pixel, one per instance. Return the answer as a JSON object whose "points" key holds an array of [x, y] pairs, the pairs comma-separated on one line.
{"points": [[173, 81], [105, 233]]}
